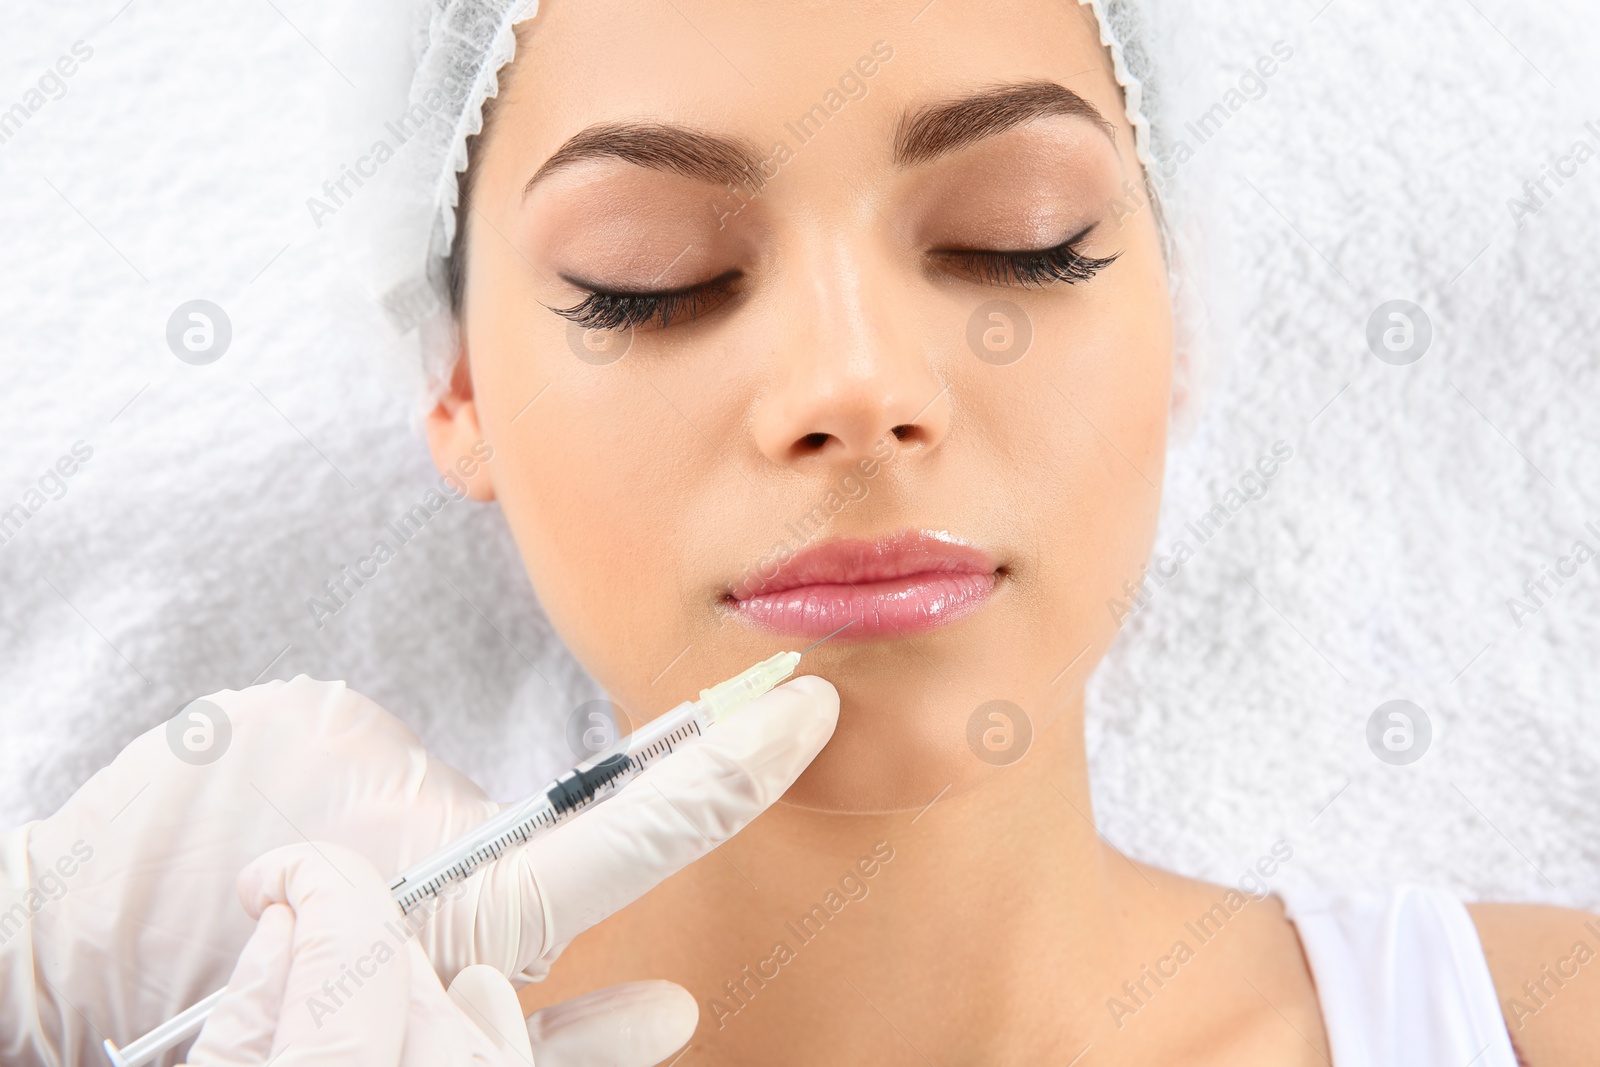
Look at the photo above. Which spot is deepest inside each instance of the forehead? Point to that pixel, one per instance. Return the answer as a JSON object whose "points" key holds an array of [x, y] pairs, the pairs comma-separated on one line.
{"points": [[758, 69]]}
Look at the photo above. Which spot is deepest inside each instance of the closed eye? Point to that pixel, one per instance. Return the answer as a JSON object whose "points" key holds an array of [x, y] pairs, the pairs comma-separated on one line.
{"points": [[1029, 268], [618, 309]]}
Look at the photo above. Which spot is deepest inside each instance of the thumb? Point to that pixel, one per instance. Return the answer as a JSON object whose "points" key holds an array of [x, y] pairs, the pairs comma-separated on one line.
{"points": [[349, 978], [239, 1032], [683, 807], [484, 996], [543, 895]]}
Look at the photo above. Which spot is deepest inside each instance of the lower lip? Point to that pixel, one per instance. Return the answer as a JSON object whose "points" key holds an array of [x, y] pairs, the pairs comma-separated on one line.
{"points": [[894, 607]]}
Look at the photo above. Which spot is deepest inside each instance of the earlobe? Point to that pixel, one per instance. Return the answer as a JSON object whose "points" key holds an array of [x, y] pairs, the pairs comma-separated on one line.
{"points": [[456, 439]]}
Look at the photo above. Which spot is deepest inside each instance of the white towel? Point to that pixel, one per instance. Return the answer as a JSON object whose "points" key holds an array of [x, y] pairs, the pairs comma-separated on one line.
{"points": [[1376, 166]]}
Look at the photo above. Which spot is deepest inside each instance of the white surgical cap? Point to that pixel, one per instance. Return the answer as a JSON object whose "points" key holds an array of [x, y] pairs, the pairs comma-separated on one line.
{"points": [[429, 100]]}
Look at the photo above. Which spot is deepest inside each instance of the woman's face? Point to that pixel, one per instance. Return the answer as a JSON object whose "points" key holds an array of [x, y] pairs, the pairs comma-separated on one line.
{"points": [[856, 360]]}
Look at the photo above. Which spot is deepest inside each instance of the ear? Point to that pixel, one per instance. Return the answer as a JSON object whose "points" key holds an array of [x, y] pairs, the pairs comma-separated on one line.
{"points": [[456, 439]]}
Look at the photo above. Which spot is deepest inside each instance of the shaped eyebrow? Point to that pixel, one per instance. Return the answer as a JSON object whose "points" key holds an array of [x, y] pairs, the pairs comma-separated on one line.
{"points": [[660, 146], [924, 135], [954, 124]]}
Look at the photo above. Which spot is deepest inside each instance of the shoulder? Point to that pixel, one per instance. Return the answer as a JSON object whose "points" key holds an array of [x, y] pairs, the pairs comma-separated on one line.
{"points": [[1248, 993], [1545, 962]]}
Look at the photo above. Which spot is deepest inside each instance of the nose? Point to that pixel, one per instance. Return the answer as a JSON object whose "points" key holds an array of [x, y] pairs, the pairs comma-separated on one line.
{"points": [[852, 370]]}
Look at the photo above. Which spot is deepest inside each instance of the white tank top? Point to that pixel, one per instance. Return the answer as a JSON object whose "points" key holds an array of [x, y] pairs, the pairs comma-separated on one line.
{"points": [[1402, 980]]}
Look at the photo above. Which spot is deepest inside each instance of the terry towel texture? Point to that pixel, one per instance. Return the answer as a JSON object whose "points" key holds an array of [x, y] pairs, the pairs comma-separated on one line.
{"points": [[1406, 506]]}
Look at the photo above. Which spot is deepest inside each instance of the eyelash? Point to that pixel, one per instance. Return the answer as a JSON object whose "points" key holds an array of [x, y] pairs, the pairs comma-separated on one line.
{"points": [[603, 310], [1036, 267]]}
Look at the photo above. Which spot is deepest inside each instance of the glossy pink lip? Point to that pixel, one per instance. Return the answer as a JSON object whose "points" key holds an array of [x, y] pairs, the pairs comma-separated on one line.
{"points": [[895, 586]]}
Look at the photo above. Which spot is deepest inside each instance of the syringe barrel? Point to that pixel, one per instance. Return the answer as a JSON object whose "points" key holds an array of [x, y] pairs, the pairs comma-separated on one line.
{"points": [[590, 781], [594, 780]]}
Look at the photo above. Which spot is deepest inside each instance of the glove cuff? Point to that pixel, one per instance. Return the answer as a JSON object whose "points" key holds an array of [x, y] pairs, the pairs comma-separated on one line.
{"points": [[22, 1041]]}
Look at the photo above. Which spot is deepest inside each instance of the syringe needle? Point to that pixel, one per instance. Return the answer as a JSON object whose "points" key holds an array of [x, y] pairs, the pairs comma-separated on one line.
{"points": [[835, 633], [585, 785]]}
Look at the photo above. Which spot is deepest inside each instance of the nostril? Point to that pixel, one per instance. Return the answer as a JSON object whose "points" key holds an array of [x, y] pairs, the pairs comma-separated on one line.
{"points": [[902, 431], [814, 440]]}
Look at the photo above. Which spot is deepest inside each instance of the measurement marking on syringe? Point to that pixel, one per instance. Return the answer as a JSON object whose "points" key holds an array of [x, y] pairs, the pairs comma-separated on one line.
{"points": [[521, 833], [561, 799]]}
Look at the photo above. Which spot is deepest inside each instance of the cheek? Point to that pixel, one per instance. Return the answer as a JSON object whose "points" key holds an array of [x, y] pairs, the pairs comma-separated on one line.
{"points": [[1077, 430], [1115, 433], [601, 479]]}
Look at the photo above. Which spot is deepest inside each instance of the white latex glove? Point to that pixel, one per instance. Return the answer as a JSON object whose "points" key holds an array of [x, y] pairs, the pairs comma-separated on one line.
{"points": [[321, 911], [314, 929], [145, 924]]}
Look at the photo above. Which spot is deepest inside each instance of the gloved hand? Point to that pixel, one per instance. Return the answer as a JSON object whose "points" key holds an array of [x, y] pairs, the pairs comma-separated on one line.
{"points": [[321, 910], [118, 911]]}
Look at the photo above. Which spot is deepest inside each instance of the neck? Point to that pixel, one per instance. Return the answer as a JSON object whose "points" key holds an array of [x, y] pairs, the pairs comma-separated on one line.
{"points": [[1002, 895]]}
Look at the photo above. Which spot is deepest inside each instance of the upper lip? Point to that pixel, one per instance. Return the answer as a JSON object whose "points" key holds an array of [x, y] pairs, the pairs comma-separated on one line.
{"points": [[851, 561]]}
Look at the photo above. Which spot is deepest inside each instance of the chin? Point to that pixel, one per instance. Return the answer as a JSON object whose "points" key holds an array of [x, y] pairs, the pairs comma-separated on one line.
{"points": [[925, 717]]}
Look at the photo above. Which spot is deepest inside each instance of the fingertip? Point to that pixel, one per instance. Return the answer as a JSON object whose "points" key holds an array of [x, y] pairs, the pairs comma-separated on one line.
{"points": [[774, 738], [288, 874], [816, 687], [277, 920], [672, 1009], [679, 1013], [255, 884], [489, 1001], [264, 880], [696, 798], [812, 705], [241, 1028], [636, 1023]]}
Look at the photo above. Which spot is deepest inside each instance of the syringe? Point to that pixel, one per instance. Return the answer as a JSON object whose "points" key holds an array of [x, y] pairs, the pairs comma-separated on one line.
{"points": [[579, 789]]}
